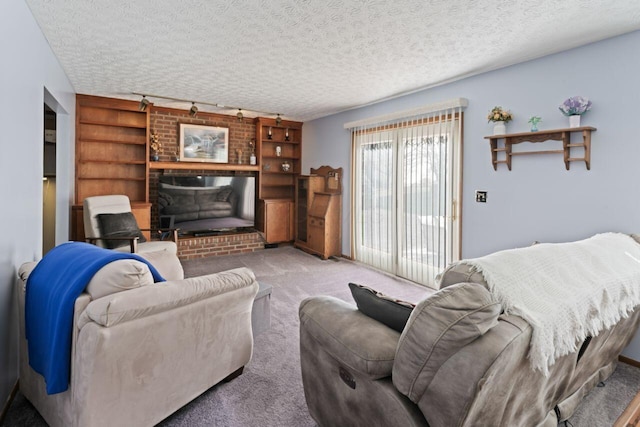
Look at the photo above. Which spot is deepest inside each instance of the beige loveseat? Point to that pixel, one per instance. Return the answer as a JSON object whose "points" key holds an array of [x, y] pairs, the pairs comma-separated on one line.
{"points": [[459, 361], [140, 354]]}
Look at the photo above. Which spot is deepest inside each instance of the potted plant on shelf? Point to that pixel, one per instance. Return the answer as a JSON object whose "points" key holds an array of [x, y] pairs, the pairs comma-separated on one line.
{"points": [[499, 116], [534, 120], [574, 107], [155, 145]]}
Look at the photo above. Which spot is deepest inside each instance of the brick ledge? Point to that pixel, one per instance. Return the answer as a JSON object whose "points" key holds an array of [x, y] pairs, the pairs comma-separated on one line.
{"points": [[223, 244]]}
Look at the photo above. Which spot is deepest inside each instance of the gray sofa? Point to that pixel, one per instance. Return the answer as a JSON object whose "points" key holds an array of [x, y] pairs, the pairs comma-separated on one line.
{"points": [[460, 361], [140, 350], [190, 204]]}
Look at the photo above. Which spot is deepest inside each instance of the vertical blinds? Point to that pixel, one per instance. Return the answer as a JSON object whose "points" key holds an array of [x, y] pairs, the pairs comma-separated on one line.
{"points": [[406, 176]]}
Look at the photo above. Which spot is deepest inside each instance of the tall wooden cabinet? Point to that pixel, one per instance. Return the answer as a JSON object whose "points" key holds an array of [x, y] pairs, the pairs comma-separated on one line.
{"points": [[111, 155], [318, 212], [279, 151]]}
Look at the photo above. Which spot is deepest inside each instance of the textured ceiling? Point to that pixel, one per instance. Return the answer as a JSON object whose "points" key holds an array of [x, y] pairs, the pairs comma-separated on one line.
{"points": [[307, 58]]}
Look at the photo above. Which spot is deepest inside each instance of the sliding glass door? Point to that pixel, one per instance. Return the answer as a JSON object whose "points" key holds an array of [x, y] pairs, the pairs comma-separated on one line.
{"points": [[406, 188]]}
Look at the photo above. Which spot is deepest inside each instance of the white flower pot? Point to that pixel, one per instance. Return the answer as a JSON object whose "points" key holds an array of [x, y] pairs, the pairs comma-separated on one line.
{"points": [[499, 128], [574, 121]]}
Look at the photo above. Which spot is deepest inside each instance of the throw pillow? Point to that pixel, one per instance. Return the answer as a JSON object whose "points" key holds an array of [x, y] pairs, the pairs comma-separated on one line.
{"points": [[392, 312], [119, 276], [118, 225], [164, 199], [223, 194]]}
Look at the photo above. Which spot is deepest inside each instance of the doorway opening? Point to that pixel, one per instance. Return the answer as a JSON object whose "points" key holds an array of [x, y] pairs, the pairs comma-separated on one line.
{"points": [[49, 181]]}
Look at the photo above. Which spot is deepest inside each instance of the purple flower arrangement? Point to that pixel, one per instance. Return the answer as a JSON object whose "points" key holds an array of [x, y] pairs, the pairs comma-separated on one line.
{"points": [[575, 106]]}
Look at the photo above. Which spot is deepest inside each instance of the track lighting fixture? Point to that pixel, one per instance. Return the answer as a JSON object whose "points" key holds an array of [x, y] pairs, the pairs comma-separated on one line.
{"points": [[193, 110], [144, 102]]}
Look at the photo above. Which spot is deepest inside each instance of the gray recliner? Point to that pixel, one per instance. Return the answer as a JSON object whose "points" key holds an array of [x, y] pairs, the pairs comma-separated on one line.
{"points": [[458, 362]]}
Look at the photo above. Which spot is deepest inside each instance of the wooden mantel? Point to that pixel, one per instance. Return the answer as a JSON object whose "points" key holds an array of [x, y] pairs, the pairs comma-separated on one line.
{"points": [[563, 135], [204, 166]]}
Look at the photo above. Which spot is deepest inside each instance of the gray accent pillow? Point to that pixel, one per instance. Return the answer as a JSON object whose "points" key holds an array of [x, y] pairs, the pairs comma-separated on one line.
{"points": [[223, 194], [387, 310], [164, 199], [118, 225]]}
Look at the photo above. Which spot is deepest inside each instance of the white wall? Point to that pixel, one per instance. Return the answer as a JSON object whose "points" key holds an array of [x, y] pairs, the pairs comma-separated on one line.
{"points": [[29, 71], [538, 199]]}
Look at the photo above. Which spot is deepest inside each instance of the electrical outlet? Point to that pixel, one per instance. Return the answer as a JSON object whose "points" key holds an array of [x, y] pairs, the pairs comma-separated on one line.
{"points": [[481, 196]]}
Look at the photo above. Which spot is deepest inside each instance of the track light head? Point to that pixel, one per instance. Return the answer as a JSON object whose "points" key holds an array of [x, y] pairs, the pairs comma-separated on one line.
{"points": [[144, 102], [240, 116], [278, 120], [193, 110]]}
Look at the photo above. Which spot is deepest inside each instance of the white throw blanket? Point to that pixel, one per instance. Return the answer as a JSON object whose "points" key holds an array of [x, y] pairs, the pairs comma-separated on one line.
{"points": [[566, 291]]}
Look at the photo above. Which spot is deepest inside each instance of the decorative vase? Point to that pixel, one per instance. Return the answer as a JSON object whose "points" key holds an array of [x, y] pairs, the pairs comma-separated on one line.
{"points": [[499, 128], [574, 121], [252, 159], [155, 157]]}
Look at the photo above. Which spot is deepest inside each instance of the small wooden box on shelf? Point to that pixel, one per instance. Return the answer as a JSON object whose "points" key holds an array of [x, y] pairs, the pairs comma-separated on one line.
{"points": [[279, 151], [563, 135]]}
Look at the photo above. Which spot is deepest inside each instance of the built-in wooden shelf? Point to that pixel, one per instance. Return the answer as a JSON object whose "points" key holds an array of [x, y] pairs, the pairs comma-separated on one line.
{"points": [[114, 162], [563, 135], [118, 124], [111, 178], [276, 188], [140, 141], [204, 166], [282, 141], [279, 172], [280, 157]]}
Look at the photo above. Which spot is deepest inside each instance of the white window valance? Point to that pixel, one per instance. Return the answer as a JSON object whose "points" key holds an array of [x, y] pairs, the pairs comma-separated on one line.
{"points": [[407, 114]]}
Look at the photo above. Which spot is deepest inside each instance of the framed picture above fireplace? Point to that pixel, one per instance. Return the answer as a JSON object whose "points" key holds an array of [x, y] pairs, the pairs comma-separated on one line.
{"points": [[203, 143]]}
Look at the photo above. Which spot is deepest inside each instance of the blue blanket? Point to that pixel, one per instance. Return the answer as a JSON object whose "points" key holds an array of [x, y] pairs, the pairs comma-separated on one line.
{"points": [[52, 289]]}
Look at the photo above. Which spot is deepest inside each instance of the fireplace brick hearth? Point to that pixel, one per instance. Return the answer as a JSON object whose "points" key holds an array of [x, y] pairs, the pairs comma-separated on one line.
{"points": [[224, 244]]}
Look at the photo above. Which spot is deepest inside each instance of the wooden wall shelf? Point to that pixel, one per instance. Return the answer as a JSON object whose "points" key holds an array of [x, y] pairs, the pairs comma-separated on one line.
{"points": [[563, 135], [204, 166]]}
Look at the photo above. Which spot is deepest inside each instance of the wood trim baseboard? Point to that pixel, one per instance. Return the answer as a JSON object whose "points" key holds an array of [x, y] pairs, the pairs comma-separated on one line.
{"points": [[7, 404], [631, 416], [629, 361]]}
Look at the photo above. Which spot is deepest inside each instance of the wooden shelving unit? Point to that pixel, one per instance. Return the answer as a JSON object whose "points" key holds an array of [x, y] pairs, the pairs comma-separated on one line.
{"points": [[563, 135], [276, 186], [273, 181], [111, 155], [111, 149]]}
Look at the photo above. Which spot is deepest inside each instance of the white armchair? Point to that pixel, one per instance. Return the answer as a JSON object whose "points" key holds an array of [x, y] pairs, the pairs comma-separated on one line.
{"points": [[142, 352], [107, 224]]}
